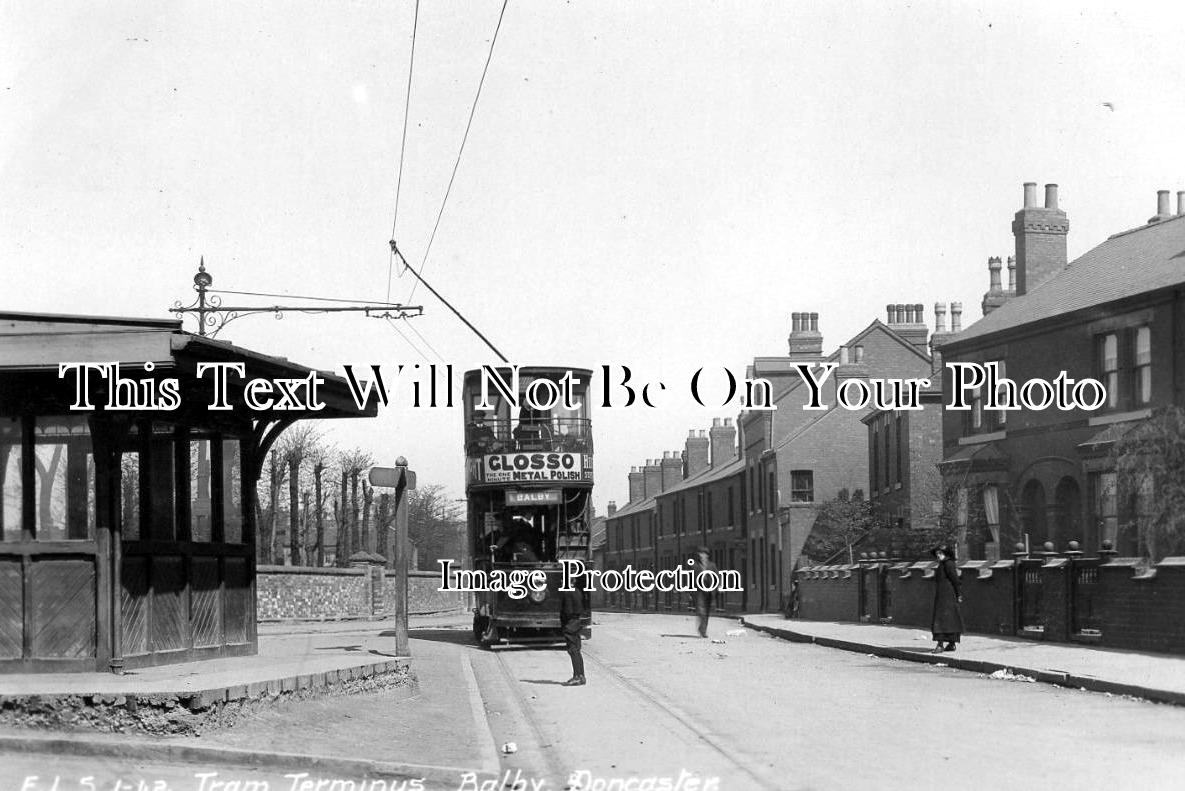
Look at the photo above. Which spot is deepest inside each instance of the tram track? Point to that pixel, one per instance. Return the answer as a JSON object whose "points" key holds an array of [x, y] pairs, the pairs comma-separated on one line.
{"points": [[663, 716], [696, 729]]}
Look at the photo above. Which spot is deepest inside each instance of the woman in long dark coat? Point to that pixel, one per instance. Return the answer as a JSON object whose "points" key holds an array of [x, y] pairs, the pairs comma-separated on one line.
{"points": [[947, 623]]}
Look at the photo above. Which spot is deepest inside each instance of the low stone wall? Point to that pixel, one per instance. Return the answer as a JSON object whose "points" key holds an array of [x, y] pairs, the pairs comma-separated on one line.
{"points": [[296, 593], [1107, 601]]}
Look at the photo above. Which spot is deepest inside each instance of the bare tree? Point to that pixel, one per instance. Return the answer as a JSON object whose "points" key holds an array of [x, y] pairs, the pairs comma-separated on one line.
{"points": [[318, 455], [353, 462], [294, 446], [277, 471], [435, 525]]}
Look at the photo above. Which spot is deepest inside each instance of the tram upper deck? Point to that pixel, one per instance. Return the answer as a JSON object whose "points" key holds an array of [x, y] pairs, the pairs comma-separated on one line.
{"points": [[528, 425]]}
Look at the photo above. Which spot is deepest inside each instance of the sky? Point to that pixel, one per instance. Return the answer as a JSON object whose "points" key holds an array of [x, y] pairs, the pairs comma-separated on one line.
{"points": [[651, 185]]}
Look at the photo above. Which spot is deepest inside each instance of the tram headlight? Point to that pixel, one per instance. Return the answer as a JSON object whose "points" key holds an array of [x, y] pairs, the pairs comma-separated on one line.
{"points": [[538, 596]]}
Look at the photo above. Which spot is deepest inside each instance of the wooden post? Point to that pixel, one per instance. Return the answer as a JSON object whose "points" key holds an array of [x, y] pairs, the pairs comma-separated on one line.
{"points": [[401, 558]]}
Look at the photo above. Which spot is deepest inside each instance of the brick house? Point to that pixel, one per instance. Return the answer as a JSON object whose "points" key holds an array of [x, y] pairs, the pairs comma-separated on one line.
{"points": [[678, 502], [794, 458], [1113, 314]]}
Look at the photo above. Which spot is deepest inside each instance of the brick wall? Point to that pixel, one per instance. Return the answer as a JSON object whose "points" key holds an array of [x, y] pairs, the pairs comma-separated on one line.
{"points": [[294, 593], [1112, 602]]}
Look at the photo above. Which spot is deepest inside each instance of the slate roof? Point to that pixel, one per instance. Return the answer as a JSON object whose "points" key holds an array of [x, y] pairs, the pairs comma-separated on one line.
{"points": [[1128, 264]]}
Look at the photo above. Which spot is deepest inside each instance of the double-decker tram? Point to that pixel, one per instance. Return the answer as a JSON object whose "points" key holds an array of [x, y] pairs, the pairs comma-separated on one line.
{"points": [[528, 449]]}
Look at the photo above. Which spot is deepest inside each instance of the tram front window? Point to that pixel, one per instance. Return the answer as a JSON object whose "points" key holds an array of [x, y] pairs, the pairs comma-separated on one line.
{"points": [[524, 538]]}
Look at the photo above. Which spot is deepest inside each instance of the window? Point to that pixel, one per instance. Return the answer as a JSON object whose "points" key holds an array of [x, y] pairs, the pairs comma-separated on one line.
{"points": [[760, 488], [201, 503], [731, 514], [876, 456], [773, 493], [885, 451], [977, 410], [1001, 415], [858, 354], [900, 446], [232, 497], [802, 486], [65, 479], [1107, 364], [10, 479], [1142, 370]]}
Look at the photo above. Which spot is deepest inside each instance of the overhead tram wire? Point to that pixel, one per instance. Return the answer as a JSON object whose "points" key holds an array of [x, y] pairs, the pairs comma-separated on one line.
{"points": [[465, 137], [407, 340], [420, 335], [403, 143], [447, 304]]}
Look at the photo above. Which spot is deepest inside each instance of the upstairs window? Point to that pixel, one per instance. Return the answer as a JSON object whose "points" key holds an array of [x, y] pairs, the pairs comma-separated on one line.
{"points": [[1107, 363], [802, 486], [1142, 369]]}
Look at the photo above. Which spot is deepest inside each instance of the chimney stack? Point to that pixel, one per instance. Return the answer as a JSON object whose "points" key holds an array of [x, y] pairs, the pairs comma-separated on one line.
{"points": [[698, 449], [940, 334], [995, 296], [652, 478], [722, 436], [636, 491], [806, 342], [672, 468], [909, 321], [1040, 239]]}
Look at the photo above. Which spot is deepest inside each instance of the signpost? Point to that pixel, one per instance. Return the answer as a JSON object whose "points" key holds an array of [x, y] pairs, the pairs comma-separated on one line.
{"points": [[401, 479]]}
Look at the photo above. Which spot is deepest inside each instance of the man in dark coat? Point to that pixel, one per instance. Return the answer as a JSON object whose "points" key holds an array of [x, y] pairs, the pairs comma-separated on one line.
{"points": [[947, 622], [571, 612], [704, 591]]}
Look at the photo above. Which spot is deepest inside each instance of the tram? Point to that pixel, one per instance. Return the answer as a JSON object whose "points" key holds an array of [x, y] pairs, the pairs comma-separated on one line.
{"points": [[528, 484]]}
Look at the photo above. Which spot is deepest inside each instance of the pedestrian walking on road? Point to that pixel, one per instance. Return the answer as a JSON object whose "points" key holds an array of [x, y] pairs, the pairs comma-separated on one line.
{"points": [[571, 615], [947, 622], [704, 592]]}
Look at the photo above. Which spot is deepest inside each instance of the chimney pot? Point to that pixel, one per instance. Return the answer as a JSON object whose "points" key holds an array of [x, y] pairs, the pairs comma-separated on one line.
{"points": [[703, 433], [919, 313], [994, 267], [891, 314], [939, 317], [728, 421], [1051, 196], [1162, 203], [795, 322], [956, 317], [1030, 194], [1180, 203], [715, 421], [1012, 273], [843, 355], [814, 322]]}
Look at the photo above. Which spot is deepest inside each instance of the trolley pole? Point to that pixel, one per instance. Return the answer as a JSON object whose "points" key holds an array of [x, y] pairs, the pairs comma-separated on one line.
{"points": [[401, 479]]}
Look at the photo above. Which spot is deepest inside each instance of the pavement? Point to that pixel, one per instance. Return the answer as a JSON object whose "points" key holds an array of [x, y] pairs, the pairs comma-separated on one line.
{"points": [[433, 729], [1156, 677]]}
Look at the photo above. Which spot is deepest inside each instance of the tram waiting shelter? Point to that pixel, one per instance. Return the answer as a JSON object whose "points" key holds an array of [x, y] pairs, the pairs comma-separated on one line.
{"points": [[127, 533]]}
